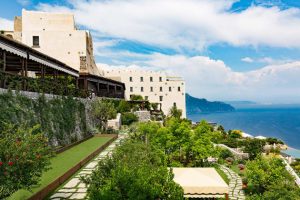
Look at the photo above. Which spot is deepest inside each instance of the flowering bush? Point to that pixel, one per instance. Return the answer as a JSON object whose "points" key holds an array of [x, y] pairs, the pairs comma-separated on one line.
{"points": [[241, 166], [24, 155], [229, 160]]}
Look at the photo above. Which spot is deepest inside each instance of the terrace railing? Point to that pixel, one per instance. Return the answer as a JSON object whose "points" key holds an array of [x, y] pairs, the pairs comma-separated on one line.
{"points": [[59, 86]]}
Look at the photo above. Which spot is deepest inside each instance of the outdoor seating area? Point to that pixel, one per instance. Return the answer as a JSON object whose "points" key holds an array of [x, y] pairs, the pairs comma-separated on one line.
{"points": [[24, 68]]}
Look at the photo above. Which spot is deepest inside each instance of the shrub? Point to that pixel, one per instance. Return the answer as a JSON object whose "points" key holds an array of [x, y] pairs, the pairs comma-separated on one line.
{"points": [[128, 118], [229, 160], [103, 110], [124, 106], [24, 155], [225, 153], [136, 97], [135, 171]]}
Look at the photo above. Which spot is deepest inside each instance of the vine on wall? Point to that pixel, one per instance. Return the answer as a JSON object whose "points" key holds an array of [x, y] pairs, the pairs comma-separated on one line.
{"points": [[62, 119]]}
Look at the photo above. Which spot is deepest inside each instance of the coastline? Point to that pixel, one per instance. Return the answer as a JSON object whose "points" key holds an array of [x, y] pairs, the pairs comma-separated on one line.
{"points": [[294, 152]]}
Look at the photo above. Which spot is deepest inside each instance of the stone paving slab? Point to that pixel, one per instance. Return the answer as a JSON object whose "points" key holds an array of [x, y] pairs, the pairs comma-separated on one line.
{"points": [[235, 184]]}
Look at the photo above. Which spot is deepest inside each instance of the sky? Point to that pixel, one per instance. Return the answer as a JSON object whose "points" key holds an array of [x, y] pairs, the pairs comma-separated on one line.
{"points": [[224, 49]]}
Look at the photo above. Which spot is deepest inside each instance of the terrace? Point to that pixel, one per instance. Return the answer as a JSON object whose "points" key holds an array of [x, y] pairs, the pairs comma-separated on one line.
{"points": [[24, 68]]}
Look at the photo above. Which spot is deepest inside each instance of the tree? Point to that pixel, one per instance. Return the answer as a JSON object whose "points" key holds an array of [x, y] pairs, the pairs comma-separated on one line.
{"points": [[135, 171], [254, 147], [24, 155], [174, 112], [263, 172], [282, 191], [136, 97], [124, 106], [128, 118], [103, 111]]}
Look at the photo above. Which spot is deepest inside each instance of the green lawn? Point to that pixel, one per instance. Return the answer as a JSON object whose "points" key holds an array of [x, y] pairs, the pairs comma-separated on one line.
{"points": [[222, 174], [62, 163]]}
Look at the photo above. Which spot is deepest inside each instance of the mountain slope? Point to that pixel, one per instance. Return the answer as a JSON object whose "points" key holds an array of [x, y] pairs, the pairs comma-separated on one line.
{"points": [[195, 105]]}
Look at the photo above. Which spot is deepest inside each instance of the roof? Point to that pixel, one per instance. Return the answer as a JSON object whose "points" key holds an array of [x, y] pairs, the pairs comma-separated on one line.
{"points": [[26, 51], [96, 77], [200, 181]]}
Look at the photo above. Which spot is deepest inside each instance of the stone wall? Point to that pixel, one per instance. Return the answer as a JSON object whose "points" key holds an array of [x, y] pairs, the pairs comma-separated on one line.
{"points": [[79, 133], [143, 116]]}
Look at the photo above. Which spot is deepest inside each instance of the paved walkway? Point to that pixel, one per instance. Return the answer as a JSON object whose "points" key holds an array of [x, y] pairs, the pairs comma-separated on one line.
{"points": [[235, 184], [75, 188]]}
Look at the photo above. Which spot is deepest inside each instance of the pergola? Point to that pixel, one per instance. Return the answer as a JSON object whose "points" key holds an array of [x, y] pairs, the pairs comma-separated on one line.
{"points": [[201, 183], [22, 62], [101, 86], [27, 65]]}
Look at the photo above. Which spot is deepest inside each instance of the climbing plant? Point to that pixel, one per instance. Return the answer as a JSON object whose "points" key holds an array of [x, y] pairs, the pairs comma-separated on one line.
{"points": [[60, 118]]}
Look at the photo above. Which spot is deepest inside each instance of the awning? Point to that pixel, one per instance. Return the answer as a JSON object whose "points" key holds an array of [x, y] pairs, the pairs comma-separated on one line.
{"points": [[200, 182], [13, 50], [54, 66]]}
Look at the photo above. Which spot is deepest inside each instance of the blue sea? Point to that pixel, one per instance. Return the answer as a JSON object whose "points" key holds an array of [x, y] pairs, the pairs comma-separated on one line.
{"points": [[282, 123]]}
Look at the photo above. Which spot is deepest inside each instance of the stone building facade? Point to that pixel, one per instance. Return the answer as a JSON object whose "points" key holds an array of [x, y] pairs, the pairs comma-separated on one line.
{"points": [[157, 87]]}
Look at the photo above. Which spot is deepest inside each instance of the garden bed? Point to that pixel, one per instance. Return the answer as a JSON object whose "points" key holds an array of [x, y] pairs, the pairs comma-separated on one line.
{"points": [[63, 163]]}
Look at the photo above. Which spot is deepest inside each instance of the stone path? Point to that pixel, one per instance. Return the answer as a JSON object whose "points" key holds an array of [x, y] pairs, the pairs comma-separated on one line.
{"points": [[75, 188], [235, 184]]}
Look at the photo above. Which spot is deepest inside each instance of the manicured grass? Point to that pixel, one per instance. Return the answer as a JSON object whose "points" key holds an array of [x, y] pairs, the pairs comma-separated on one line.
{"points": [[62, 163], [222, 174]]}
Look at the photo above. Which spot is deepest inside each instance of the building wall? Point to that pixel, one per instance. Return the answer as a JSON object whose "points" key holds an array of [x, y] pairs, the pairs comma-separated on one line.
{"points": [[58, 38], [160, 88]]}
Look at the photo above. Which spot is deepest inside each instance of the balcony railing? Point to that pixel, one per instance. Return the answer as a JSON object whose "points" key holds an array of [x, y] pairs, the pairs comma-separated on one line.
{"points": [[49, 85]]}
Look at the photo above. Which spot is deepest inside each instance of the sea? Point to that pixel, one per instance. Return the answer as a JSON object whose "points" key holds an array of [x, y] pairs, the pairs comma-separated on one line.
{"points": [[279, 122]]}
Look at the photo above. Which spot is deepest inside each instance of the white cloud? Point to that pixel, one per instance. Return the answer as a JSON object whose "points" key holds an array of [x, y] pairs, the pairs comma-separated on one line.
{"points": [[6, 24], [247, 59], [214, 80], [187, 24], [24, 2]]}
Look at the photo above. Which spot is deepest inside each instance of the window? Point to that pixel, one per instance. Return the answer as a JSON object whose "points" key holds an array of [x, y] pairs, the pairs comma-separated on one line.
{"points": [[178, 89], [151, 79], [170, 89], [130, 79], [142, 89], [160, 98], [160, 79], [131, 89], [142, 79], [160, 89], [151, 89], [146, 98], [36, 41]]}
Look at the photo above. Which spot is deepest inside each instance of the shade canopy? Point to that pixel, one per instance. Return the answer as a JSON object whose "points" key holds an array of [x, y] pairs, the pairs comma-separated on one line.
{"points": [[200, 182]]}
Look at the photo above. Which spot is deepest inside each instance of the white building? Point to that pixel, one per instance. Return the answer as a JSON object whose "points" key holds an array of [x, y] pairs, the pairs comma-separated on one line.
{"points": [[56, 35], [157, 87]]}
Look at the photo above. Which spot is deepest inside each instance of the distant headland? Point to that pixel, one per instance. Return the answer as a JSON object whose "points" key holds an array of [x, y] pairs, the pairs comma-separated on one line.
{"points": [[195, 105]]}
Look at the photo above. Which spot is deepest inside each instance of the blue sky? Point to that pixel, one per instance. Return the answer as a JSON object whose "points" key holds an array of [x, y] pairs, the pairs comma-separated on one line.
{"points": [[225, 49]]}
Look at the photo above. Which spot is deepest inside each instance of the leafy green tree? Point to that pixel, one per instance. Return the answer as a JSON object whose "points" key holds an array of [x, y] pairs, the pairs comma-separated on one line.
{"points": [[254, 147], [124, 106], [174, 112], [225, 153], [282, 191], [135, 171], [103, 111], [263, 172], [24, 155], [128, 118], [136, 97]]}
